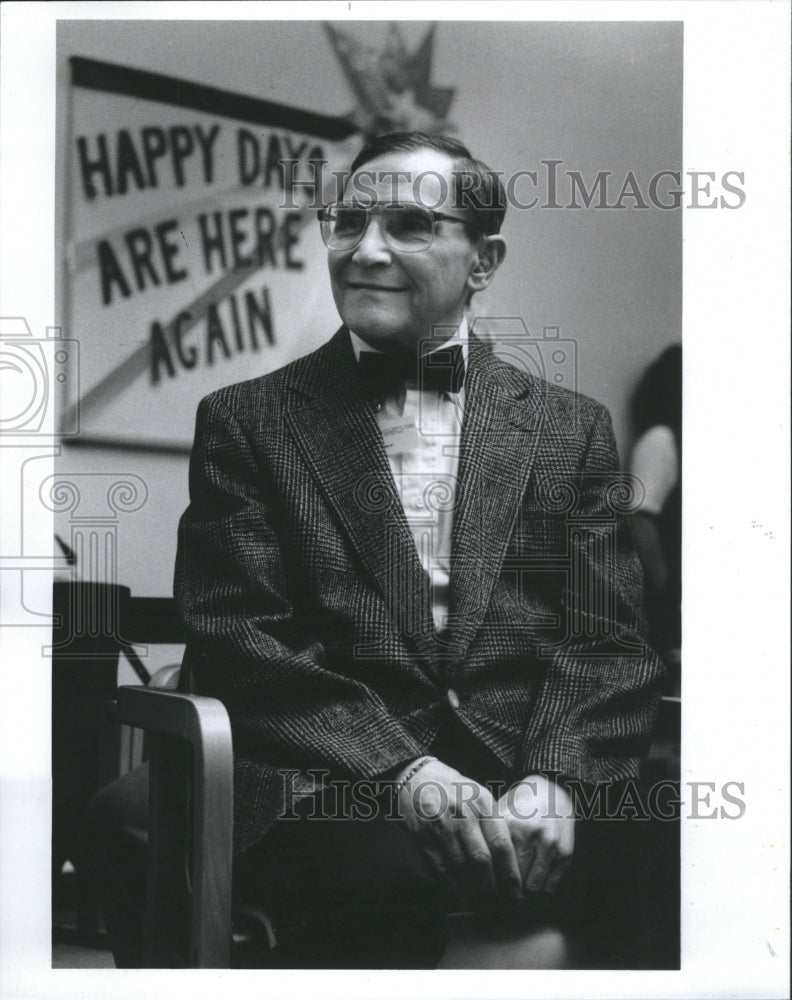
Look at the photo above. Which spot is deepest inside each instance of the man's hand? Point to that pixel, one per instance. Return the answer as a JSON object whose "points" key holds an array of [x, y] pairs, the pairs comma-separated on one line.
{"points": [[463, 832], [541, 820]]}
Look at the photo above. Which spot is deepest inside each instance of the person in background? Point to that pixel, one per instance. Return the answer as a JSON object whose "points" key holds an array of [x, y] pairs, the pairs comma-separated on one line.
{"points": [[656, 461]]}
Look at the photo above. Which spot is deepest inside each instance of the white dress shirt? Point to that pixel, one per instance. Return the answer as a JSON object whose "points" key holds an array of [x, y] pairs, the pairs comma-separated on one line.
{"points": [[421, 431]]}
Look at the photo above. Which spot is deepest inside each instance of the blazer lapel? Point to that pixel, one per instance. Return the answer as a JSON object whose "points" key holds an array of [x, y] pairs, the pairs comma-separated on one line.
{"points": [[500, 434], [337, 433]]}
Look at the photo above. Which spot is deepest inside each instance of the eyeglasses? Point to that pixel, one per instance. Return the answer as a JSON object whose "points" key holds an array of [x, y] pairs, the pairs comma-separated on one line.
{"points": [[407, 228]]}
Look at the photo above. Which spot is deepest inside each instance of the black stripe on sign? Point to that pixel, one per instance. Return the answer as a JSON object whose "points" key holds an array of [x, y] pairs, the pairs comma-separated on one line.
{"points": [[97, 75]]}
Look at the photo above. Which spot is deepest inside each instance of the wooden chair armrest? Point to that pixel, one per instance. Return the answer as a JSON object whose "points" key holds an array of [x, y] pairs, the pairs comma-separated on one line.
{"points": [[202, 723]]}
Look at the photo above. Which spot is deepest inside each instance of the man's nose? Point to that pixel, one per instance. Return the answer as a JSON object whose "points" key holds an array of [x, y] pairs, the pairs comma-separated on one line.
{"points": [[372, 248]]}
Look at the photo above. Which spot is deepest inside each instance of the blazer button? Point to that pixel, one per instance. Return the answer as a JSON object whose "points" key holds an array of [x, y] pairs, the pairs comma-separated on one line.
{"points": [[453, 698]]}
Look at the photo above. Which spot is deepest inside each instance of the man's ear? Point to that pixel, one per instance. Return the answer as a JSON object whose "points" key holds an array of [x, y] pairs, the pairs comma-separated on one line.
{"points": [[491, 251]]}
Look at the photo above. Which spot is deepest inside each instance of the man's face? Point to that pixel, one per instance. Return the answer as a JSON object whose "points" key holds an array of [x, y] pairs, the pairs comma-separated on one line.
{"points": [[390, 298]]}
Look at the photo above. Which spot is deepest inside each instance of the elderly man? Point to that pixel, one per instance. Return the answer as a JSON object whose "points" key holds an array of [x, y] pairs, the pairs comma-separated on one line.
{"points": [[363, 574], [400, 573]]}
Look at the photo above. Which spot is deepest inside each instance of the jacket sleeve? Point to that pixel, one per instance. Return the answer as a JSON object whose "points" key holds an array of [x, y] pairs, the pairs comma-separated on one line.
{"points": [[599, 696], [245, 644]]}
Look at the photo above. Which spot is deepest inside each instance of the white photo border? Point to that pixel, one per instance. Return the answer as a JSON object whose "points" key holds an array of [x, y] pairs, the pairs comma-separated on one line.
{"points": [[736, 507]]}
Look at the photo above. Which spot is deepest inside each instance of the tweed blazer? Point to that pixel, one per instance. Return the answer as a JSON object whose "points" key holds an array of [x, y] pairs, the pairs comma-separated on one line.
{"points": [[308, 613]]}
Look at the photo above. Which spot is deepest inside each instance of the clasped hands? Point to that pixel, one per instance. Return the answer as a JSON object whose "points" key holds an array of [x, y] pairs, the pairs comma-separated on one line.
{"points": [[487, 849]]}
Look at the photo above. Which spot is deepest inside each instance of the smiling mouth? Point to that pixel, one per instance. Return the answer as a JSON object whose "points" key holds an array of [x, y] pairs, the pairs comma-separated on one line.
{"points": [[365, 286]]}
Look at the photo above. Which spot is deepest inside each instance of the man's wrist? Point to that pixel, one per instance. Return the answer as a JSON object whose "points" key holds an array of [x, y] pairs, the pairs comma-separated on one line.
{"points": [[408, 773], [394, 773]]}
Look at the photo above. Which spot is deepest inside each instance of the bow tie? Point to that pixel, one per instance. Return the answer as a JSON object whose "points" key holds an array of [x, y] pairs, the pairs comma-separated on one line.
{"points": [[442, 370]]}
